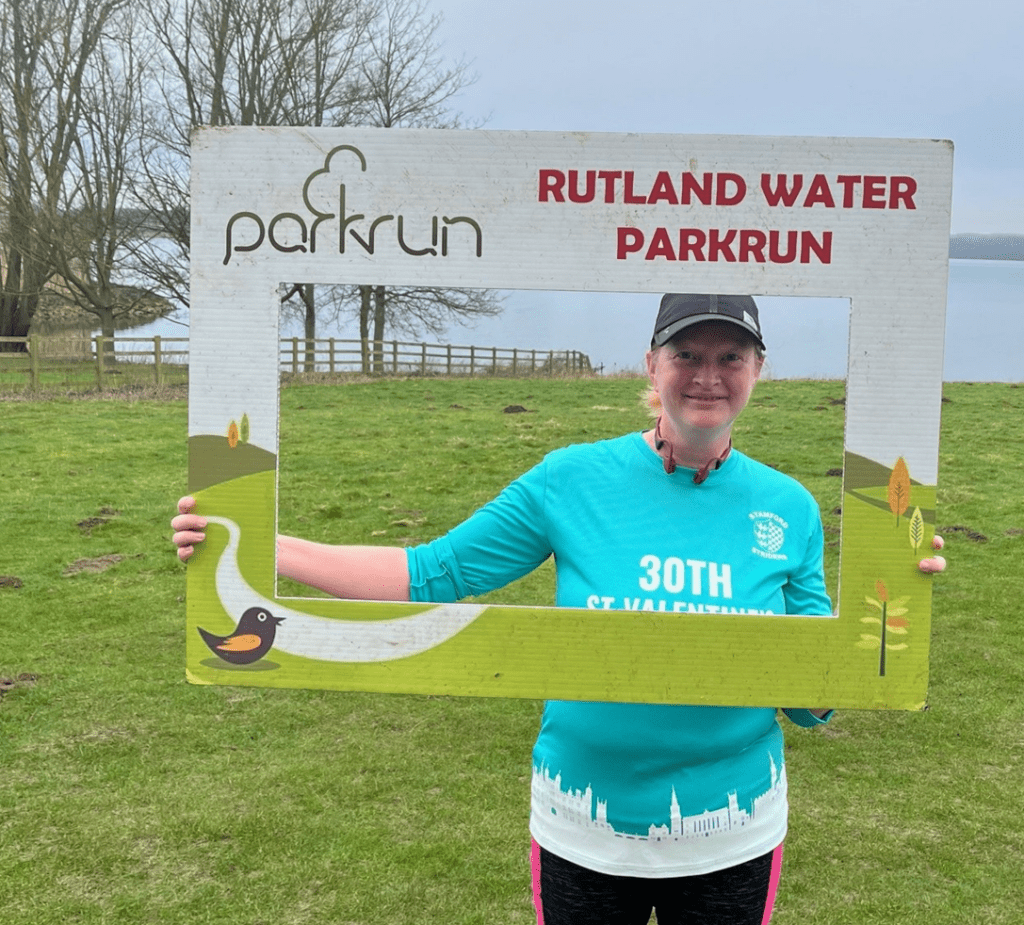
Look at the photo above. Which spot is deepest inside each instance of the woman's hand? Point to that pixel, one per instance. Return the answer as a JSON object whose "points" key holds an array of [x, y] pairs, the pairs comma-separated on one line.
{"points": [[934, 563], [187, 528]]}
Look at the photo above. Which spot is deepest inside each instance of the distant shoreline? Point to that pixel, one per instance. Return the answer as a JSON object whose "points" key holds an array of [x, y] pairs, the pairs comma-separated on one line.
{"points": [[969, 246]]}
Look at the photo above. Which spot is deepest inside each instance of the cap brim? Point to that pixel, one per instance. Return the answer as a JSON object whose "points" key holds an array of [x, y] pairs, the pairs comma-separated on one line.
{"points": [[666, 334]]}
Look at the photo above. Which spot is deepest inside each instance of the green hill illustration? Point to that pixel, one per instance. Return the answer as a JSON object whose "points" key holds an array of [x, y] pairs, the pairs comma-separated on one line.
{"points": [[213, 459]]}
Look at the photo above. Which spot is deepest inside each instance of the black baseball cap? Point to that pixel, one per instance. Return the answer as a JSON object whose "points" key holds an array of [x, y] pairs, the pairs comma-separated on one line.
{"points": [[680, 310]]}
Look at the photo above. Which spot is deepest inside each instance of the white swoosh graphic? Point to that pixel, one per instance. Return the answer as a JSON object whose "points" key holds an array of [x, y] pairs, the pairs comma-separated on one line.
{"points": [[338, 640]]}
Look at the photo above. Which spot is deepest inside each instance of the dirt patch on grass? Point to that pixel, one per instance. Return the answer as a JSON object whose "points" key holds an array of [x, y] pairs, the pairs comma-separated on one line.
{"points": [[972, 535], [10, 581], [103, 516], [25, 679], [97, 564]]}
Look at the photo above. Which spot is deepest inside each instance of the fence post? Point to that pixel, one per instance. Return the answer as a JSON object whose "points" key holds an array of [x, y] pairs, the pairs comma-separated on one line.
{"points": [[331, 355], [515, 356], [33, 363], [423, 359], [494, 361], [98, 346], [449, 359], [157, 367], [472, 360], [533, 362], [295, 356]]}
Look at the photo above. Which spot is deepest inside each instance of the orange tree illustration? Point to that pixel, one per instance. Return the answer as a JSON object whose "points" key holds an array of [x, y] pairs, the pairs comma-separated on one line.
{"points": [[899, 489]]}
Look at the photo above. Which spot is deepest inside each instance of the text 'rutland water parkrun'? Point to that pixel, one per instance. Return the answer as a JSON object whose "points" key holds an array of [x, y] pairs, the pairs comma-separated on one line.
{"points": [[733, 245]]}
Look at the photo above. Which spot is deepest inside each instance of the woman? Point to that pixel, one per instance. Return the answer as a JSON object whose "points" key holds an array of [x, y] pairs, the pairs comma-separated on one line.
{"points": [[635, 807]]}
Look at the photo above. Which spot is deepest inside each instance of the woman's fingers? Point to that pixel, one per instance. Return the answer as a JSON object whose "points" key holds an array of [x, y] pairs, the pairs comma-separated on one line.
{"points": [[187, 528]]}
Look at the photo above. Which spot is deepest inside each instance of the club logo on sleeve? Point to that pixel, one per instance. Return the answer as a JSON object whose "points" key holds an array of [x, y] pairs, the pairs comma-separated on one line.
{"points": [[769, 535]]}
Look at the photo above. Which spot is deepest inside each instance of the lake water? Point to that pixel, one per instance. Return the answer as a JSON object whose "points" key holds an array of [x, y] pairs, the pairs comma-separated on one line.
{"points": [[985, 321], [807, 338]]}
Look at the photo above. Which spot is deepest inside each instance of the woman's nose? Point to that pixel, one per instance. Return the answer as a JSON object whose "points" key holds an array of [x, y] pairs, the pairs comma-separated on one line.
{"points": [[707, 371]]}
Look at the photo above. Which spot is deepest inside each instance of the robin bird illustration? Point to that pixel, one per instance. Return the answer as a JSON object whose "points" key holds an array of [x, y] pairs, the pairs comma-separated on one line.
{"points": [[250, 641]]}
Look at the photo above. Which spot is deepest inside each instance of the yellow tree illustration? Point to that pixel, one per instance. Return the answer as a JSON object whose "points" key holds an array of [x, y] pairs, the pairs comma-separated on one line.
{"points": [[232, 435], [899, 489], [916, 530]]}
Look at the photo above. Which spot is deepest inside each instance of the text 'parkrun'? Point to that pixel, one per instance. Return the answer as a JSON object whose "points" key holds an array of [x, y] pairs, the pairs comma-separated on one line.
{"points": [[724, 189], [327, 204]]}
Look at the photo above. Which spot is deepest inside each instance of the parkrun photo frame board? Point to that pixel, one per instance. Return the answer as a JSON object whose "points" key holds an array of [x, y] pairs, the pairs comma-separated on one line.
{"points": [[857, 218]]}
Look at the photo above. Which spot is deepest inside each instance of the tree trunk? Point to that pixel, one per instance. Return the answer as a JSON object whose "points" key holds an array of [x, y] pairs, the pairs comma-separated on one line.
{"points": [[307, 295], [364, 327], [106, 316], [16, 308], [14, 321], [378, 329]]}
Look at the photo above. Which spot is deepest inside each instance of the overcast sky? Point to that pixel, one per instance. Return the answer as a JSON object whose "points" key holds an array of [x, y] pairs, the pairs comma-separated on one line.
{"points": [[880, 68]]}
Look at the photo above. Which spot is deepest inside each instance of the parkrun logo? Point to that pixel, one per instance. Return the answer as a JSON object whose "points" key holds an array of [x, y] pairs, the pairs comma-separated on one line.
{"points": [[290, 232]]}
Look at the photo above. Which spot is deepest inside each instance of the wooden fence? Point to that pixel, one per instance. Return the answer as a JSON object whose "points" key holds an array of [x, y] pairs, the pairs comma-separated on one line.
{"points": [[146, 359], [157, 360], [393, 358]]}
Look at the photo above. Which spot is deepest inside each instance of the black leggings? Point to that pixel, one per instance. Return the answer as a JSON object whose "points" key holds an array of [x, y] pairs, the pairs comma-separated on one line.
{"points": [[567, 894]]}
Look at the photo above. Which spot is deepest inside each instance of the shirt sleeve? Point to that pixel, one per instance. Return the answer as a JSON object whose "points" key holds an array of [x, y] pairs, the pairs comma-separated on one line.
{"points": [[805, 591], [806, 718], [504, 540]]}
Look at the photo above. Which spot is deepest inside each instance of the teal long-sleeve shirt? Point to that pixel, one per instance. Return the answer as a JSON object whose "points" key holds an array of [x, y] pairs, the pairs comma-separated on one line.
{"points": [[642, 789]]}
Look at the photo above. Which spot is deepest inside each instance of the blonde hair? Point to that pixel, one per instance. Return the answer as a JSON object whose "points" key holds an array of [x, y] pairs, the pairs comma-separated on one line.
{"points": [[651, 400]]}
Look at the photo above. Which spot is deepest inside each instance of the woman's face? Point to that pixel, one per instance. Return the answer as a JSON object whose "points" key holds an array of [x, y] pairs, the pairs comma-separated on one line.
{"points": [[704, 378]]}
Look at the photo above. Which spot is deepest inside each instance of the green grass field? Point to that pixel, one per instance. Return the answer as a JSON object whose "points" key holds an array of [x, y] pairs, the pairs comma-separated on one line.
{"points": [[56, 375], [127, 795]]}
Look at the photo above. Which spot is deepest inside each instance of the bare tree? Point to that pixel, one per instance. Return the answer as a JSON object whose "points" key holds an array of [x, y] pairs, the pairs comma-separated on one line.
{"points": [[408, 84], [290, 62], [46, 47], [98, 223], [94, 157], [259, 62], [237, 62]]}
